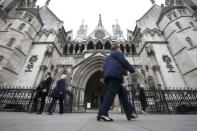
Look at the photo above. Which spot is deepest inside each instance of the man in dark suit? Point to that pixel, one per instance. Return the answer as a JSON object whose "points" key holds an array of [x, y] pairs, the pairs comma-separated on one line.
{"points": [[140, 93], [113, 77], [41, 92], [58, 93]]}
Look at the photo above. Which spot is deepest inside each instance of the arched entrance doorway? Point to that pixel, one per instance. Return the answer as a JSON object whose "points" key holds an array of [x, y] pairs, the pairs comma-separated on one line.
{"points": [[88, 70], [95, 91]]}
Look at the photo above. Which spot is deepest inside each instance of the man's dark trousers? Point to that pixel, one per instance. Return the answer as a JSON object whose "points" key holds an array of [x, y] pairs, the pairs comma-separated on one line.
{"points": [[35, 101], [61, 106], [114, 86]]}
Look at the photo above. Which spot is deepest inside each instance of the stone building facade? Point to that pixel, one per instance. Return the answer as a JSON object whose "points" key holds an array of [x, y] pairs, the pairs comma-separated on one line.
{"points": [[162, 48]]}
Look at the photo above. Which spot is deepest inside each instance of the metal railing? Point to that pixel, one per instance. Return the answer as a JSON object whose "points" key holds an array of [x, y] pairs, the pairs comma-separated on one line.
{"points": [[167, 101], [20, 99], [161, 101]]}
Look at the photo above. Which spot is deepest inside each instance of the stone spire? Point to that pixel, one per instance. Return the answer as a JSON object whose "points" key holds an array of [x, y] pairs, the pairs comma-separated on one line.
{"points": [[82, 32], [47, 3], [100, 20], [117, 32]]}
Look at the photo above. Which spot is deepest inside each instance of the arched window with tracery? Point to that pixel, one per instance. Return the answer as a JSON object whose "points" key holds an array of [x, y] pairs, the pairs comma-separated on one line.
{"points": [[90, 45], [107, 45], [133, 49], [71, 48], [66, 49], [128, 49], [76, 49], [82, 48], [99, 46]]}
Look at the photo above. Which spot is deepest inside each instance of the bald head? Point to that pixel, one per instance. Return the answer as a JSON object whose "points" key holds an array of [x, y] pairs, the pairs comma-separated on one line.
{"points": [[114, 46]]}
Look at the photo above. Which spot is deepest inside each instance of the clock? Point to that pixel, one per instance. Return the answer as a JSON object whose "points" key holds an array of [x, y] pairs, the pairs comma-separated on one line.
{"points": [[99, 34]]}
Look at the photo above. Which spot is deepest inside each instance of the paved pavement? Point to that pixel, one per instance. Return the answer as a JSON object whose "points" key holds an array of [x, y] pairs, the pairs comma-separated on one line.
{"points": [[12, 121]]}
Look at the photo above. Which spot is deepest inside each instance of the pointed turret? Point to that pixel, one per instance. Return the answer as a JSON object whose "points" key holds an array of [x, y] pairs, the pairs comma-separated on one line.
{"points": [[100, 21], [82, 32], [117, 32]]}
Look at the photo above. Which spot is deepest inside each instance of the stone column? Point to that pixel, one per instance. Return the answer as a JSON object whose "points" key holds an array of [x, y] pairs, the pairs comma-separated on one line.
{"points": [[156, 70]]}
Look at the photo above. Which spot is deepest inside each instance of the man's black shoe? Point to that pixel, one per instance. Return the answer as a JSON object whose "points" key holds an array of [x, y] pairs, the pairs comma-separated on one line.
{"points": [[129, 117], [39, 113], [104, 118]]}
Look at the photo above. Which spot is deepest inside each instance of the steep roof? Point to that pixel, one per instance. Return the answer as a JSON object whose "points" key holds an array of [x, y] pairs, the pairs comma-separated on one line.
{"points": [[167, 9], [50, 20], [149, 19]]}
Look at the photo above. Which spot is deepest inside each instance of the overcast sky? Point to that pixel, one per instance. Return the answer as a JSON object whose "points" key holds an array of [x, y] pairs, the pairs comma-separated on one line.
{"points": [[72, 12]]}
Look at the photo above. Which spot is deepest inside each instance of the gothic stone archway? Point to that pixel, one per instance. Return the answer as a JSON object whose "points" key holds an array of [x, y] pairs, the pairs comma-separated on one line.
{"points": [[81, 74]]}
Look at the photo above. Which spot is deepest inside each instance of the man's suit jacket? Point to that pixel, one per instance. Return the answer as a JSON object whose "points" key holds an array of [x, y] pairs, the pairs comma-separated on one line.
{"points": [[45, 84]]}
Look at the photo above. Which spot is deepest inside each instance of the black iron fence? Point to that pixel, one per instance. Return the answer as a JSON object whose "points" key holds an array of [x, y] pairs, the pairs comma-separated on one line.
{"points": [[20, 99], [161, 101], [167, 101]]}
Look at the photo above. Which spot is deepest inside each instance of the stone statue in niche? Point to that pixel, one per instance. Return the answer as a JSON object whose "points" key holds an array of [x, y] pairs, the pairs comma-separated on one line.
{"points": [[166, 59], [33, 59], [49, 50], [149, 50]]}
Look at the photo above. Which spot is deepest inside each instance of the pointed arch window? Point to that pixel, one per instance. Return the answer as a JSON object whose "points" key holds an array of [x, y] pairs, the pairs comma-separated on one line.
{"points": [[90, 45], [82, 48], [71, 49], [99, 46], [11, 42], [66, 49], [189, 40], [178, 25], [108, 45], [128, 49], [76, 49], [22, 25], [133, 49]]}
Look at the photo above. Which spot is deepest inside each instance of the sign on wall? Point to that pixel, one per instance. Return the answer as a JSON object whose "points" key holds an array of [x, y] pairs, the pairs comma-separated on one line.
{"points": [[168, 62], [30, 65]]}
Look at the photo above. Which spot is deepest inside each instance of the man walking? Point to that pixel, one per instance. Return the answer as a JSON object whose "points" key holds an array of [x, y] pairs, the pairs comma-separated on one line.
{"points": [[140, 93], [58, 93], [41, 92], [114, 69]]}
